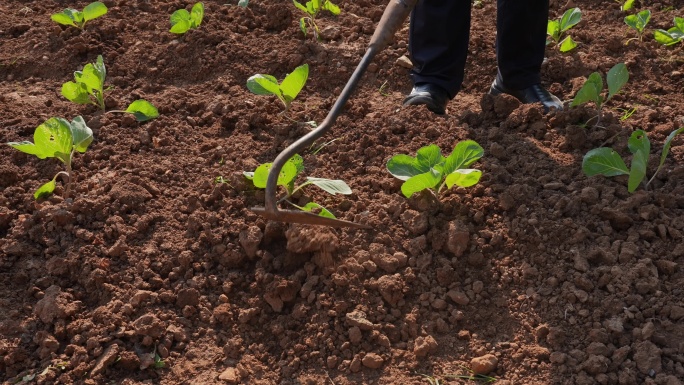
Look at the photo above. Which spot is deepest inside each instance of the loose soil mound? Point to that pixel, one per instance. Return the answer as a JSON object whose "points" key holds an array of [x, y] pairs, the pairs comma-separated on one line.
{"points": [[155, 273]]}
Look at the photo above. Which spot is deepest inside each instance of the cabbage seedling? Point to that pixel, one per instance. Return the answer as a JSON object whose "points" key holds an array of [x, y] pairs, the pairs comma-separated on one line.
{"points": [[432, 171], [292, 168], [182, 21], [77, 18], [88, 87], [673, 35], [606, 161], [57, 138], [557, 28], [286, 91], [591, 91], [627, 5], [638, 22], [142, 110], [312, 8]]}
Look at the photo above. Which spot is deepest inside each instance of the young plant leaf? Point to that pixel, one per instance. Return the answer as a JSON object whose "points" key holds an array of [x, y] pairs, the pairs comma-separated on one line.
{"points": [[463, 178], [666, 37], [421, 182], [666, 146], [143, 110], [66, 17], [638, 141], [196, 15], [50, 139], [465, 153], [616, 78], [263, 85], [603, 161], [567, 44], [332, 186], [294, 82], [301, 7], [553, 30], [93, 11], [243, 3], [323, 211], [428, 157], [287, 174], [638, 170], [332, 8], [590, 91], [75, 92], [81, 135], [638, 21], [46, 189], [403, 167], [180, 22], [570, 18]]}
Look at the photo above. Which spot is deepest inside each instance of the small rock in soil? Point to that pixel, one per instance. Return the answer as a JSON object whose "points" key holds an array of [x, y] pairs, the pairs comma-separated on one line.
{"points": [[458, 237], [372, 360], [647, 357], [423, 346], [484, 364], [230, 376], [250, 239], [55, 305], [106, 359]]}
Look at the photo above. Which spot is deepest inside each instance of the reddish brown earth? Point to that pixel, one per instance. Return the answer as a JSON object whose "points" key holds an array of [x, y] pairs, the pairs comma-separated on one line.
{"points": [[556, 277]]}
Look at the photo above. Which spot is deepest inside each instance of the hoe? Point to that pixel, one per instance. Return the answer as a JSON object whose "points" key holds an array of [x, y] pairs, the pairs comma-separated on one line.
{"points": [[394, 16]]}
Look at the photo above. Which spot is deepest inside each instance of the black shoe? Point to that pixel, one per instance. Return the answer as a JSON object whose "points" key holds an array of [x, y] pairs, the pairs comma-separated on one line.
{"points": [[531, 94], [433, 96]]}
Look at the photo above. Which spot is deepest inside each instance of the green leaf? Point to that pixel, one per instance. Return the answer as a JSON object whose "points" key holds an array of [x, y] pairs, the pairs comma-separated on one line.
{"points": [[302, 25], [590, 91], [300, 7], [314, 6], [77, 93], [45, 190], [81, 134], [243, 3], [463, 178], [298, 162], [404, 167], [421, 182], [679, 23], [465, 153], [629, 4], [93, 11], [567, 44], [180, 22], [287, 174], [248, 174], [143, 110], [196, 15], [51, 139], [668, 143], [553, 29], [638, 21], [570, 18], [332, 186], [638, 141], [638, 170], [323, 213], [664, 37], [603, 161], [63, 18], [428, 157], [330, 7], [263, 85], [616, 78], [294, 82]]}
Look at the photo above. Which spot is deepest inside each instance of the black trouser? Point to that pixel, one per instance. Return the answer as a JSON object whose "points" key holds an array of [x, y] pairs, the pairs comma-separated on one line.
{"points": [[439, 34]]}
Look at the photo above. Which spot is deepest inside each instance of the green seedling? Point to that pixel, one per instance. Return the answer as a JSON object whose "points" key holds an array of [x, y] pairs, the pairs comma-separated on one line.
{"points": [[286, 91], [591, 91], [626, 113], [626, 5], [638, 22], [141, 109], [78, 19], [606, 161], [88, 85], [673, 35], [182, 21], [286, 179], [243, 3], [312, 8], [429, 170], [57, 138], [556, 29]]}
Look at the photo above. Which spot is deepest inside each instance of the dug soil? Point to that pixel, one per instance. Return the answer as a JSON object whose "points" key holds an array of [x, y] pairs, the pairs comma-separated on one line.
{"points": [[156, 271]]}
